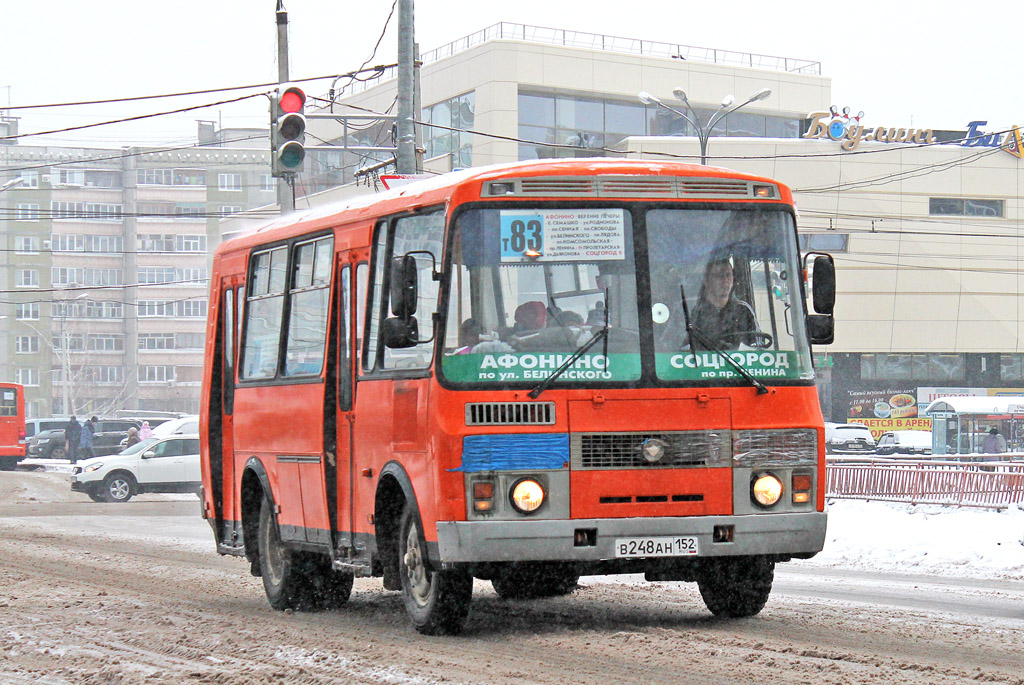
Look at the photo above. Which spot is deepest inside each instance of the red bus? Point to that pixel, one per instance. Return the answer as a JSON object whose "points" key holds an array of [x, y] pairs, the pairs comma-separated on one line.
{"points": [[520, 374], [12, 425]]}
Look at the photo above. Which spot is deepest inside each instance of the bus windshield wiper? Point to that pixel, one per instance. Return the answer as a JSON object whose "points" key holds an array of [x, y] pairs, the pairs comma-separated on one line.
{"points": [[694, 332], [580, 351]]}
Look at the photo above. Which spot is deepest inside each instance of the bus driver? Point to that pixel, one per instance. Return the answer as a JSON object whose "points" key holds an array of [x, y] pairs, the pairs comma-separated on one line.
{"points": [[720, 317]]}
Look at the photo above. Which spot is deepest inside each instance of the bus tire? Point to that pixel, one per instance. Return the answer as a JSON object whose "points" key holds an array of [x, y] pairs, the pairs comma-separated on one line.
{"points": [[286, 573], [8, 463], [437, 601], [736, 587], [535, 580]]}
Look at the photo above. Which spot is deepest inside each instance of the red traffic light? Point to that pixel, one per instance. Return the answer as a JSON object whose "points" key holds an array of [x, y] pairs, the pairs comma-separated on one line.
{"points": [[292, 100]]}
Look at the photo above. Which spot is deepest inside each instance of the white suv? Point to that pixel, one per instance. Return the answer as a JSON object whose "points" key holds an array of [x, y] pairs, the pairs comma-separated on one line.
{"points": [[169, 464], [848, 438]]}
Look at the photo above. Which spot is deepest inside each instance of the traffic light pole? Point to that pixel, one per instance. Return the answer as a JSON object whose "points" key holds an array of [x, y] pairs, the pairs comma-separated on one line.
{"points": [[285, 191]]}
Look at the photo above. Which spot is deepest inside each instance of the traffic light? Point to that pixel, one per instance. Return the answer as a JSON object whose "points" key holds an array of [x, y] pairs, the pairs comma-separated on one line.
{"points": [[287, 131]]}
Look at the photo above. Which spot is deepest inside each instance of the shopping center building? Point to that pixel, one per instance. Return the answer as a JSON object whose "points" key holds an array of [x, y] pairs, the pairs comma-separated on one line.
{"points": [[923, 223]]}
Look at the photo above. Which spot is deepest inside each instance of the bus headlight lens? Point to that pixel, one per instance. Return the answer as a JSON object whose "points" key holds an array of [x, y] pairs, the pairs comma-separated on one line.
{"points": [[527, 496], [767, 490]]}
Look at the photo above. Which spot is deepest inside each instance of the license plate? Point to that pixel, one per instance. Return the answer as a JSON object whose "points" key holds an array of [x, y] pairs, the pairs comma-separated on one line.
{"points": [[677, 546]]}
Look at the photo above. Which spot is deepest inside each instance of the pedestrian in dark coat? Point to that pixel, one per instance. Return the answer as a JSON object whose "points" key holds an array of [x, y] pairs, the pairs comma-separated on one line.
{"points": [[72, 436]]}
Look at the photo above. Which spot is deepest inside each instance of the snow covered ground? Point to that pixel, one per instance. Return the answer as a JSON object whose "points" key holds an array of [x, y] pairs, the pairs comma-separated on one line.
{"points": [[872, 536], [930, 539]]}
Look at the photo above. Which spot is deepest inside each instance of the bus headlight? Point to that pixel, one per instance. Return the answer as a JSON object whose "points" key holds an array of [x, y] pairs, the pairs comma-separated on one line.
{"points": [[527, 496], [766, 489]]}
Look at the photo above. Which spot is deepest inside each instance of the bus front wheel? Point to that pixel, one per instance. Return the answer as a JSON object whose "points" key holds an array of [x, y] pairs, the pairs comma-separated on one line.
{"points": [[736, 587], [437, 601]]}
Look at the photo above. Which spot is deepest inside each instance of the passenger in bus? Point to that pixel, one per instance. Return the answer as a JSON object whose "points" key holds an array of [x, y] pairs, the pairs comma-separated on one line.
{"points": [[720, 316], [530, 317], [469, 336]]}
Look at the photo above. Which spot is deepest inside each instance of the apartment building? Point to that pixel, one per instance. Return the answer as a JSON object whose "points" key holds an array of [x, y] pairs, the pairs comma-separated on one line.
{"points": [[105, 268]]}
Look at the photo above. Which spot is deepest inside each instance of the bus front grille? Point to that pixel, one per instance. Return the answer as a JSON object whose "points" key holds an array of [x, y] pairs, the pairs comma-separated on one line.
{"points": [[684, 449], [510, 413]]}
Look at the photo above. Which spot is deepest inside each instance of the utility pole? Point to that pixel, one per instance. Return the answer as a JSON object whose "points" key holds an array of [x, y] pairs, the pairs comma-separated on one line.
{"points": [[285, 186], [406, 157]]}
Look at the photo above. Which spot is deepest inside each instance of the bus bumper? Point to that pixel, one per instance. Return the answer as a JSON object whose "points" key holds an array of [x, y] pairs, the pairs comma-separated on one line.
{"points": [[800, 534]]}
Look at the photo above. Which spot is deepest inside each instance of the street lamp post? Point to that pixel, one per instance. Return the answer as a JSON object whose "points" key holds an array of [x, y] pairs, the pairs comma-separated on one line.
{"points": [[703, 132]]}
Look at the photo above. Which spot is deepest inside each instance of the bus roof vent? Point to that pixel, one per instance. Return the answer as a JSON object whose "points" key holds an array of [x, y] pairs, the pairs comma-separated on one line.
{"points": [[559, 186], [510, 413], [713, 187], [638, 186]]}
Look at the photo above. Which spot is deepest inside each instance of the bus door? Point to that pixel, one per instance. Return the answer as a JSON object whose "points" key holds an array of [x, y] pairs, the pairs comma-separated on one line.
{"points": [[340, 495], [231, 304]]}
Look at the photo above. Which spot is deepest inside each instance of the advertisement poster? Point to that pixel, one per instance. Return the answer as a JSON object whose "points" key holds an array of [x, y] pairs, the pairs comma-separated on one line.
{"points": [[887, 409]]}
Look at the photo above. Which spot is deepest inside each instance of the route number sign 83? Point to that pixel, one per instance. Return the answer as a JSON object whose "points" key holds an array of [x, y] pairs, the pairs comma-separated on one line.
{"points": [[522, 235]]}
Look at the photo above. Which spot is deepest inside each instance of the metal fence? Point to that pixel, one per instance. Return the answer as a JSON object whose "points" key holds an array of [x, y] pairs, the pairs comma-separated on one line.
{"points": [[595, 41], [994, 484]]}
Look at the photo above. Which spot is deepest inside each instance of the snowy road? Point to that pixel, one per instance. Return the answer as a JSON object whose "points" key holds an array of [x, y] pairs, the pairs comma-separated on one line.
{"points": [[135, 593]]}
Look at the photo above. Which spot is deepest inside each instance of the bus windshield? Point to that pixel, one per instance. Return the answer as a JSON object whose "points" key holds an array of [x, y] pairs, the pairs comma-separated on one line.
{"points": [[529, 287]]}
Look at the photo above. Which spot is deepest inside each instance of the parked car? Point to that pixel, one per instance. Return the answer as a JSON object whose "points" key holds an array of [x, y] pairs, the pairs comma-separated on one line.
{"points": [[848, 438], [169, 464], [185, 425], [905, 442], [36, 426], [107, 439]]}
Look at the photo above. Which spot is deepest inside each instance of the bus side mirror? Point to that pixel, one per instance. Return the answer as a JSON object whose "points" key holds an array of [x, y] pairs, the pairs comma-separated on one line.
{"points": [[824, 284], [400, 333], [403, 286], [821, 329]]}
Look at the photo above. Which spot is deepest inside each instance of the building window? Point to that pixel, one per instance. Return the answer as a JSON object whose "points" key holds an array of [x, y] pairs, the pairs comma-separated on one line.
{"points": [[190, 243], [155, 243], [192, 308], [29, 179], [267, 183], [229, 181], [90, 211], [824, 242], [25, 211], [156, 374], [27, 311], [195, 276], [27, 278], [151, 308], [27, 377], [228, 210], [456, 113], [110, 244], [155, 274], [920, 367], [189, 341], [26, 244], [193, 209], [103, 276], [26, 344], [60, 242], [955, 206], [106, 343], [156, 341]]}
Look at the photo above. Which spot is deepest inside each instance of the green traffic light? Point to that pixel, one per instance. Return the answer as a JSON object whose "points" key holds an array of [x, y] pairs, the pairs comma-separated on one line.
{"points": [[291, 155]]}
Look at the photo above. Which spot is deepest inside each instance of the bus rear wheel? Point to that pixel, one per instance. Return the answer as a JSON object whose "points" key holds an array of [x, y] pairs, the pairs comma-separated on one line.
{"points": [[8, 463], [736, 587], [436, 601], [530, 581], [285, 571]]}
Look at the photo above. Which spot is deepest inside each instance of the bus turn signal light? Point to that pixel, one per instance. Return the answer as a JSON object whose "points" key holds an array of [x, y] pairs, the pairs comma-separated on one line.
{"points": [[483, 495], [801, 488]]}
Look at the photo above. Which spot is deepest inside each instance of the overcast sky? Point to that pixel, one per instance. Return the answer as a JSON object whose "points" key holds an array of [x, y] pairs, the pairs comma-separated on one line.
{"points": [[903, 63]]}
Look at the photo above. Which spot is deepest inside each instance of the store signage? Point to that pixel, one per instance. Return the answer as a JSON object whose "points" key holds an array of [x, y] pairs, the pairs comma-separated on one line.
{"points": [[1009, 141], [848, 129]]}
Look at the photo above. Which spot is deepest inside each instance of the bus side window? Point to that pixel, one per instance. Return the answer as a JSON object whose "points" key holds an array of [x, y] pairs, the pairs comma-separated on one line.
{"points": [[420, 235], [307, 308], [373, 302], [362, 283], [263, 313]]}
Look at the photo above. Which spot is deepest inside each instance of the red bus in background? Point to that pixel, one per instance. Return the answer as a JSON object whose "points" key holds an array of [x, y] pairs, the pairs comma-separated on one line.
{"points": [[12, 425], [511, 373]]}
